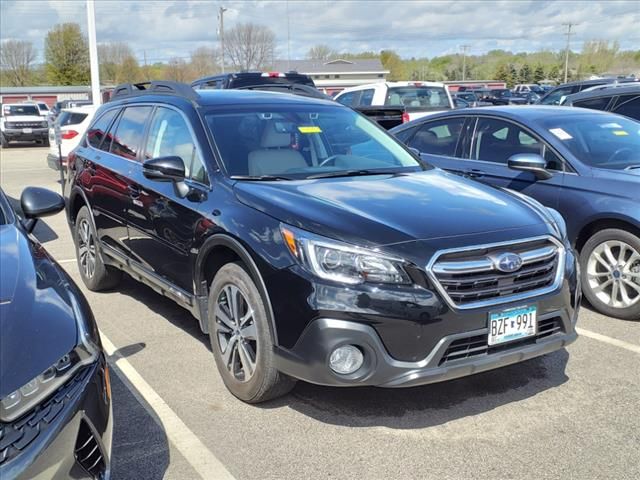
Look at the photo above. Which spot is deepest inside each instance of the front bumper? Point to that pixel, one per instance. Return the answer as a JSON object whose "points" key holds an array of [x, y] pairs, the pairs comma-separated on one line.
{"points": [[414, 338], [46, 443], [18, 134]]}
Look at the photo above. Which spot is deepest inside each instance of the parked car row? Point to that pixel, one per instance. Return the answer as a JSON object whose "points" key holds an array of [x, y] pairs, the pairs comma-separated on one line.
{"points": [[309, 244]]}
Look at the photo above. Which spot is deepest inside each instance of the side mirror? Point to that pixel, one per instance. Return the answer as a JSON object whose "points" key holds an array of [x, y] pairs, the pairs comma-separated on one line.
{"points": [[164, 169], [39, 202], [530, 162]]}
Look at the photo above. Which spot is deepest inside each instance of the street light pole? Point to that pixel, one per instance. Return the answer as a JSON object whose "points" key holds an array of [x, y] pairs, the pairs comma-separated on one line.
{"points": [[93, 53], [464, 61], [566, 53], [221, 11]]}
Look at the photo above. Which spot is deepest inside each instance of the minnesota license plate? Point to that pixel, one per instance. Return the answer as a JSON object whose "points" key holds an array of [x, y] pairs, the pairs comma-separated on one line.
{"points": [[27, 130], [513, 324]]}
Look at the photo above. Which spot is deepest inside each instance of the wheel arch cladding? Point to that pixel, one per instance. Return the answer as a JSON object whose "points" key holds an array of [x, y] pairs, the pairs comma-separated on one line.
{"points": [[595, 226]]}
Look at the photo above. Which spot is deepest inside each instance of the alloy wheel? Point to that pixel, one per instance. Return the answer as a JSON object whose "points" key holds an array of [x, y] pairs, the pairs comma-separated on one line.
{"points": [[613, 274], [86, 249], [236, 333]]}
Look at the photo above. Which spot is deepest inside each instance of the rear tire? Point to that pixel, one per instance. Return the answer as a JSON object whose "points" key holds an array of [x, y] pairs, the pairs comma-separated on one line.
{"points": [[610, 271], [45, 142], [241, 337], [95, 274]]}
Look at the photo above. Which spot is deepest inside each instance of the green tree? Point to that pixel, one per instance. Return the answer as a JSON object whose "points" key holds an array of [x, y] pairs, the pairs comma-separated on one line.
{"points": [[513, 76], [117, 63], [66, 54], [392, 62], [554, 73], [538, 73], [526, 75]]}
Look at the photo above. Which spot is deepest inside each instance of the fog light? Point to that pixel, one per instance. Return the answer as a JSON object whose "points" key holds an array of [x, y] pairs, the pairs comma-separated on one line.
{"points": [[345, 360]]}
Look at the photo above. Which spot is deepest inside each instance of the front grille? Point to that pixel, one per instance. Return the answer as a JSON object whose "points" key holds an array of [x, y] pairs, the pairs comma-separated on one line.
{"points": [[470, 277], [27, 125], [17, 435], [88, 453], [477, 345]]}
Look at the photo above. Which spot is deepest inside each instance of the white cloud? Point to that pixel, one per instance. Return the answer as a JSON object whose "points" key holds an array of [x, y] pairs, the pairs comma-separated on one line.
{"points": [[162, 29]]}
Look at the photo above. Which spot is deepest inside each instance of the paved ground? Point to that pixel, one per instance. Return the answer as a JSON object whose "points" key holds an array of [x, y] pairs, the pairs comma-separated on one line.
{"points": [[571, 414]]}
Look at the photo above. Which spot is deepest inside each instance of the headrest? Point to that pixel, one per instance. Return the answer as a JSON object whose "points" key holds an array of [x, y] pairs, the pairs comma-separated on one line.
{"points": [[273, 139]]}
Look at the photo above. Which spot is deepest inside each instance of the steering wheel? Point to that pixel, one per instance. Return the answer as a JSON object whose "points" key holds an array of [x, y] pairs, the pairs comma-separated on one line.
{"points": [[619, 152], [327, 160]]}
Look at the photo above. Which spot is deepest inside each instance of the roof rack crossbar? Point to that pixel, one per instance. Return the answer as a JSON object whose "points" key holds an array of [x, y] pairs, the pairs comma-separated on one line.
{"points": [[153, 88]]}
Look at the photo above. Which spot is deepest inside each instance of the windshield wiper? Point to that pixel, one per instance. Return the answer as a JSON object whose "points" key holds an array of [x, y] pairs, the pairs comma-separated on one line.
{"points": [[258, 178], [346, 173]]}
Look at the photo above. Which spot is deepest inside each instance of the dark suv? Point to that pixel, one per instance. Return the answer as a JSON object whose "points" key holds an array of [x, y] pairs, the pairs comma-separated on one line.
{"points": [[621, 98], [311, 245]]}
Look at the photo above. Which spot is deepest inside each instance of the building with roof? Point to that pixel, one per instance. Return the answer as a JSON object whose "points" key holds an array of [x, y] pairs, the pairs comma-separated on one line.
{"points": [[47, 94], [336, 75]]}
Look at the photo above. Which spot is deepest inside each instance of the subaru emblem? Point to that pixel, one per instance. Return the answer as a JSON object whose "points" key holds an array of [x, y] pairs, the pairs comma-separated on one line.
{"points": [[508, 262]]}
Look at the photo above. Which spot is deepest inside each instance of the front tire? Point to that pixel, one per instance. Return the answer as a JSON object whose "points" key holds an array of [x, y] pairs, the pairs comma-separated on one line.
{"points": [[241, 338], [3, 141], [95, 274], [610, 266]]}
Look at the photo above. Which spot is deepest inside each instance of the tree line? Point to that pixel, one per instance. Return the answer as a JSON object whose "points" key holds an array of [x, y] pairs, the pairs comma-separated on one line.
{"points": [[250, 46]]}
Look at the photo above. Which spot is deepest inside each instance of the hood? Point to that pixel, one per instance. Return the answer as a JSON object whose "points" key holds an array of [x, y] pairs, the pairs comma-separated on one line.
{"points": [[37, 323], [385, 209]]}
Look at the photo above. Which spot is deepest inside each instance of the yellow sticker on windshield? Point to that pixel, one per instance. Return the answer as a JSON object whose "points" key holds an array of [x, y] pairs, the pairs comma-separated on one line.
{"points": [[310, 129], [620, 133]]}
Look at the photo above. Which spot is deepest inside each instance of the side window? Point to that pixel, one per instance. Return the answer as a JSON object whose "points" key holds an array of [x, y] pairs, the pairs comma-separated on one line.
{"points": [[553, 161], [629, 106], [367, 97], [599, 103], [439, 137], [169, 135], [346, 98], [129, 132], [554, 97], [98, 130], [404, 135], [497, 140]]}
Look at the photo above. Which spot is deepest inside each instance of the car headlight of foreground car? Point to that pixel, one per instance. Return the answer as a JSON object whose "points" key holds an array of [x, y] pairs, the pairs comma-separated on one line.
{"points": [[38, 389], [332, 260]]}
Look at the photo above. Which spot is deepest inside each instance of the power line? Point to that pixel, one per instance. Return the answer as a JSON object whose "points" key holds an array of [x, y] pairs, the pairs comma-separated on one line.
{"points": [[566, 53]]}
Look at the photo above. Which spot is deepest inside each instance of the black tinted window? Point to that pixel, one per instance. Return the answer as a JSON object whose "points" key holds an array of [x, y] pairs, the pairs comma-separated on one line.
{"points": [[438, 137], [404, 135], [98, 130], [554, 97], [599, 103], [71, 118], [129, 131], [497, 140], [366, 98], [346, 99], [629, 106]]}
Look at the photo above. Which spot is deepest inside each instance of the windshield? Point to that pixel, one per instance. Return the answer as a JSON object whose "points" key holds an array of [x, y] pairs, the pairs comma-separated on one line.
{"points": [[603, 141], [9, 110], [304, 141], [500, 93], [418, 97]]}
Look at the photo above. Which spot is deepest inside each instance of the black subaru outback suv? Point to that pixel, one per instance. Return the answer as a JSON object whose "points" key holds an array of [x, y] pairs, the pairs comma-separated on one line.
{"points": [[311, 245]]}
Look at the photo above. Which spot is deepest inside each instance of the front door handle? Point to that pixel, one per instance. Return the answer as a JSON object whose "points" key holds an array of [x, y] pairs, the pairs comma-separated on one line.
{"points": [[474, 173]]}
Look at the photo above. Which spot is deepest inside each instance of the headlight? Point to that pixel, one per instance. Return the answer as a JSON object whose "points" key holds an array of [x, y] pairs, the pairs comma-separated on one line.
{"points": [[558, 222], [35, 391], [339, 262]]}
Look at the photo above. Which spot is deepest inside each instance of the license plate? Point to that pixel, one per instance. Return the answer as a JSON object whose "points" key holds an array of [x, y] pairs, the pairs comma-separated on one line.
{"points": [[513, 324], [27, 130]]}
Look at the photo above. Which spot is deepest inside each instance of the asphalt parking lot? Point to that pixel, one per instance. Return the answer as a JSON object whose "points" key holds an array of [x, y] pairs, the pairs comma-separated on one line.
{"points": [[572, 414]]}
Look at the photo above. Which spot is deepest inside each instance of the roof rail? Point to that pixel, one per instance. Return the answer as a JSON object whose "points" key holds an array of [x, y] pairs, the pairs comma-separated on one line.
{"points": [[153, 88]]}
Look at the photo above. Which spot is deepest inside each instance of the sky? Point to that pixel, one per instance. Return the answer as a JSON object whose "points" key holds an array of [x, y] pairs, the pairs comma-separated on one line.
{"points": [[161, 29]]}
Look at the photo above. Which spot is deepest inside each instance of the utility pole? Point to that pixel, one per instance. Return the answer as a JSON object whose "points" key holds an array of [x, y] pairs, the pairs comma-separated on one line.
{"points": [[221, 11], [464, 61], [566, 53], [288, 41], [93, 54]]}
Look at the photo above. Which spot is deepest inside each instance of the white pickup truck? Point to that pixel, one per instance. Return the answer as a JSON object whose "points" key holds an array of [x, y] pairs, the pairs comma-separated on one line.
{"points": [[23, 122], [417, 99]]}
